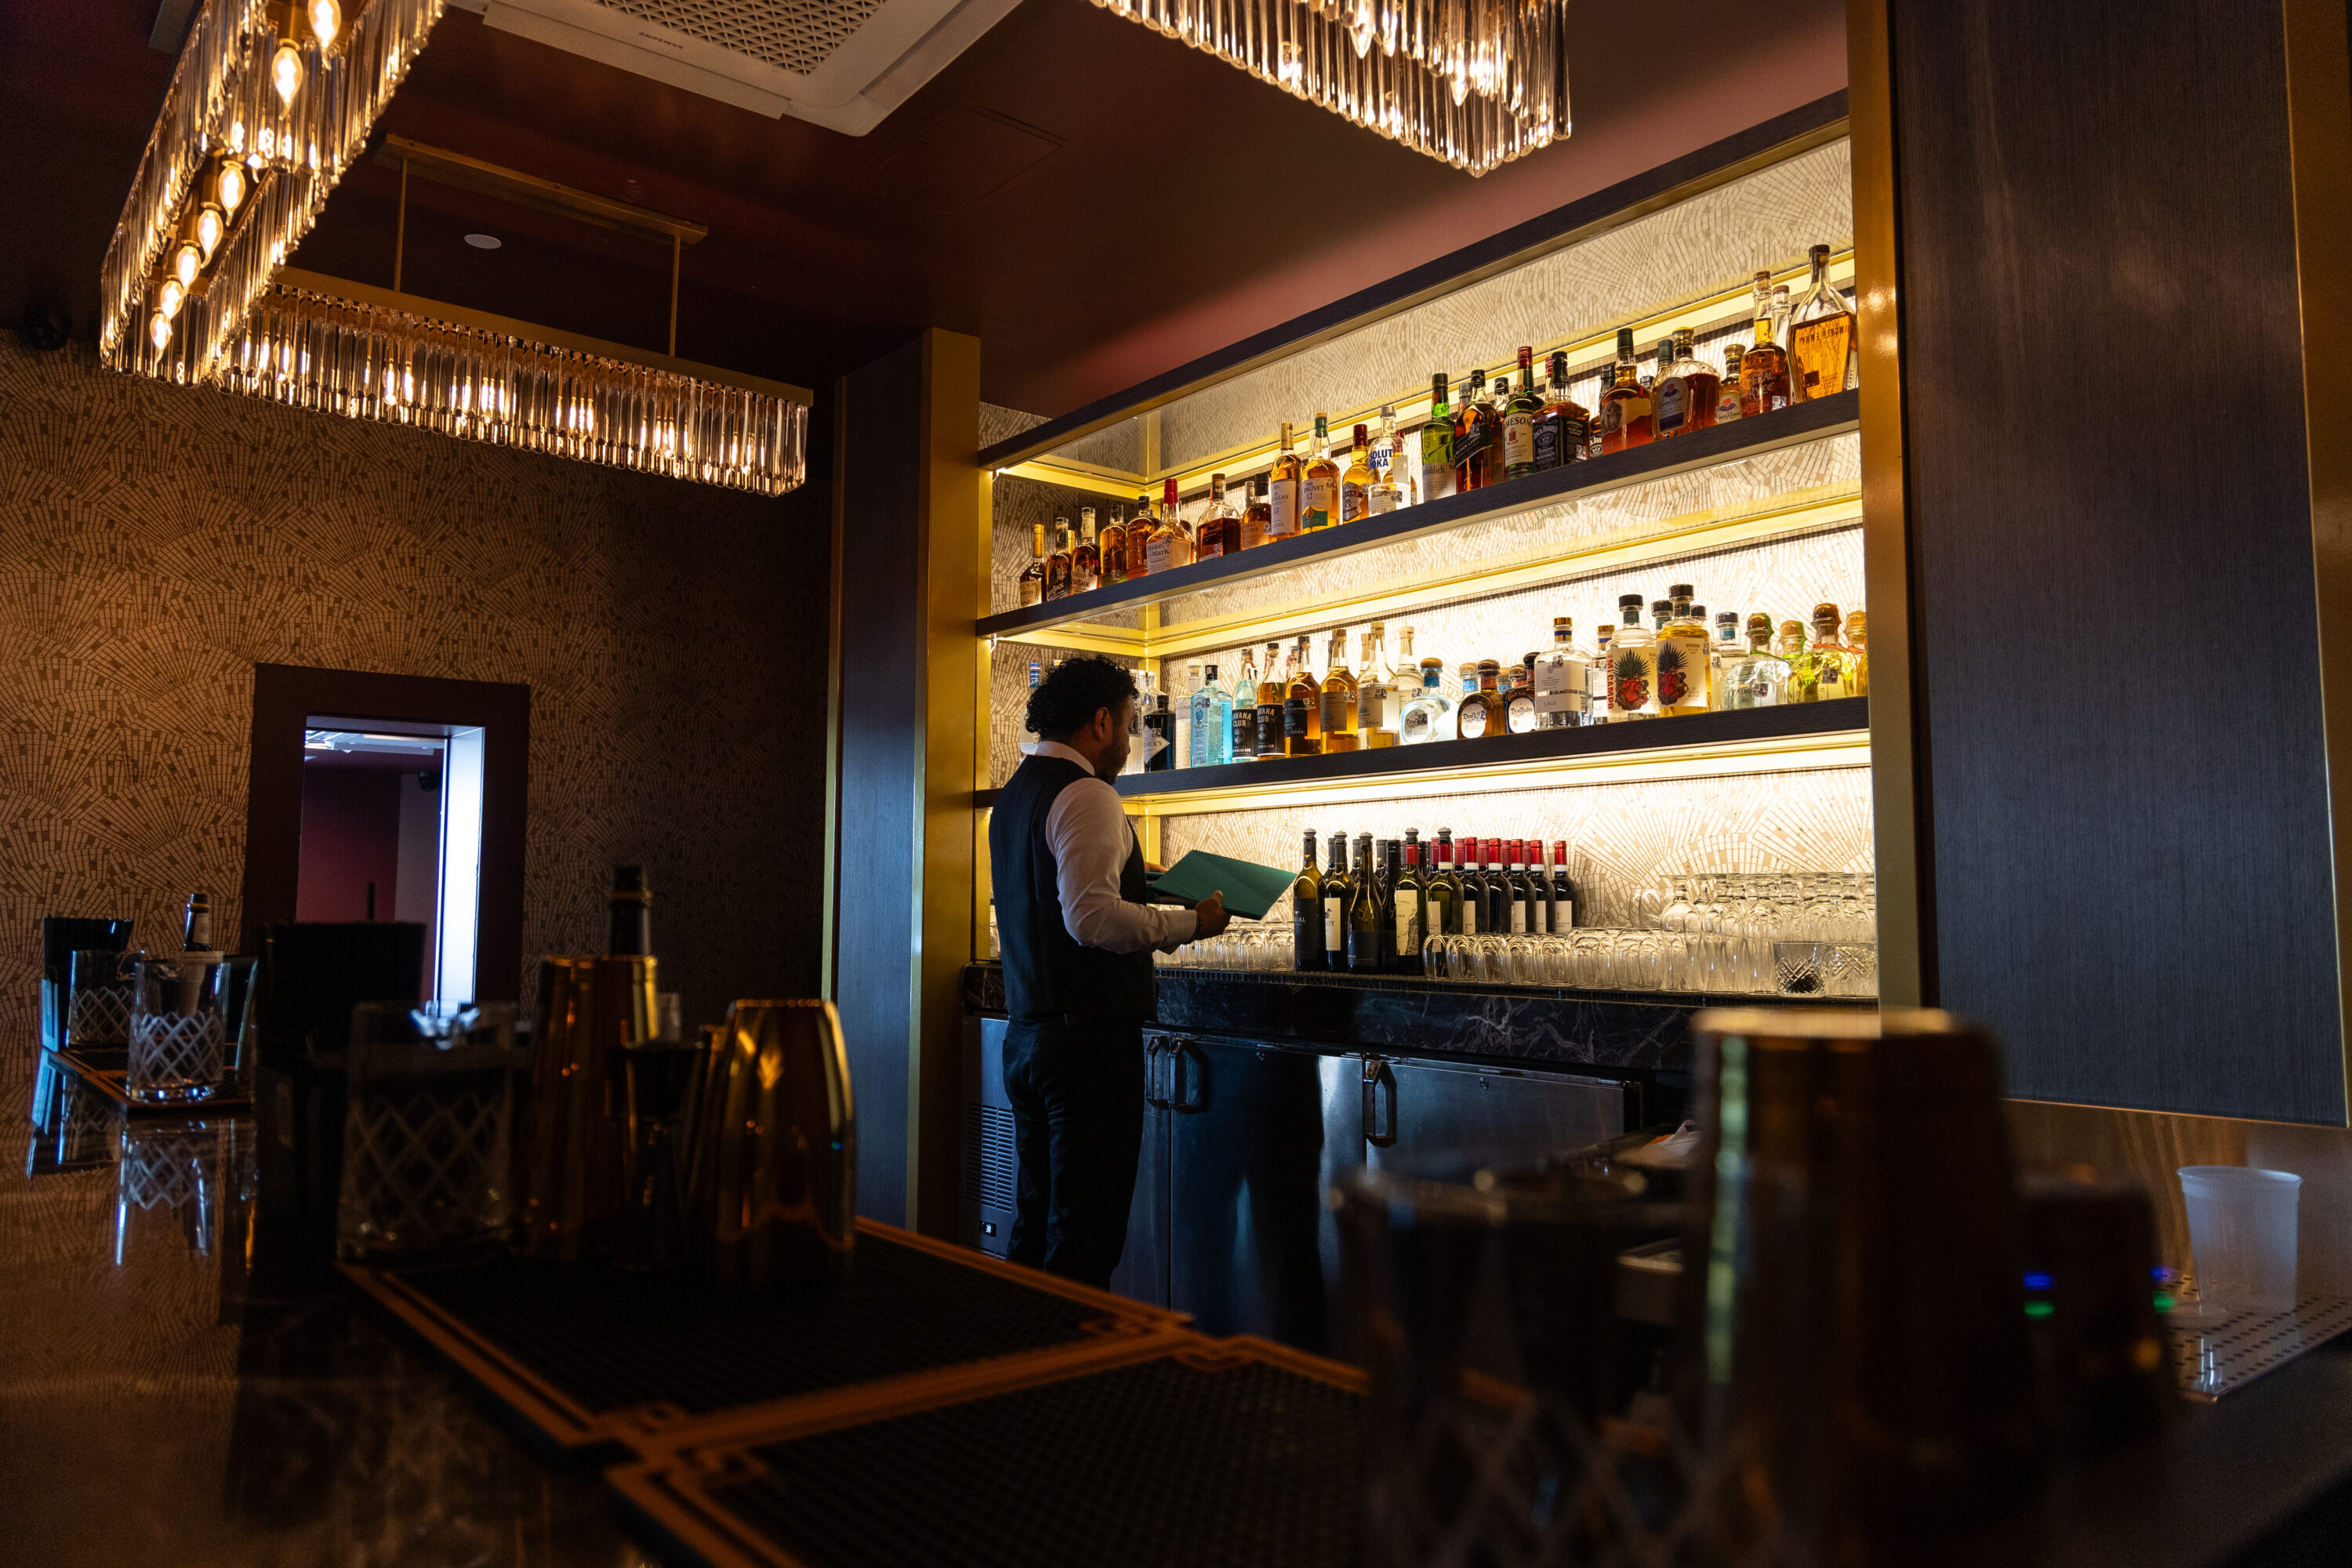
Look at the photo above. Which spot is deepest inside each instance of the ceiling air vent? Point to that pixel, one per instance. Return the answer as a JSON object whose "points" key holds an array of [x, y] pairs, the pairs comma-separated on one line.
{"points": [[842, 64]]}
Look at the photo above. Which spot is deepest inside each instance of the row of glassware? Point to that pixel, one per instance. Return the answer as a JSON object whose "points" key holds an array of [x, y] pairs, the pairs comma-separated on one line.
{"points": [[1799, 906]]}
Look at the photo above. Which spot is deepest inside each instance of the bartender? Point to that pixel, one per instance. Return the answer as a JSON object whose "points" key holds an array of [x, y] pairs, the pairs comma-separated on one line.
{"points": [[1074, 919]]}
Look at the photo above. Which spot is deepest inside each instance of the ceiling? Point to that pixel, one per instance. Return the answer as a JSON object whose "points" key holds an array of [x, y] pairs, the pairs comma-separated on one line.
{"points": [[1097, 203]]}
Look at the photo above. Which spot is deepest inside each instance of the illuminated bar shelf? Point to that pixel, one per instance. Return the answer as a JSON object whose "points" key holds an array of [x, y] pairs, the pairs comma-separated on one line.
{"points": [[1832, 415], [1758, 740]]}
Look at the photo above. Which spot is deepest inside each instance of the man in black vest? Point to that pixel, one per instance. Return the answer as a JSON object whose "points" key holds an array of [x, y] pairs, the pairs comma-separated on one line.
{"points": [[1077, 933]]}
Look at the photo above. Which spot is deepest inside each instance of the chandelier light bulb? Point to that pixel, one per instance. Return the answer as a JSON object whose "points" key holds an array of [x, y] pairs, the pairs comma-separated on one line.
{"points": [[208, 229], [286, 71], [186, 262], [159, 330], [326, 21], [231, 186], [168, 298]]}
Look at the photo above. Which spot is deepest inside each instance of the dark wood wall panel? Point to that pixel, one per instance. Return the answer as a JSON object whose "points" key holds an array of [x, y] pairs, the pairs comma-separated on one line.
{"points": [[2126, 768], [877, 917]]}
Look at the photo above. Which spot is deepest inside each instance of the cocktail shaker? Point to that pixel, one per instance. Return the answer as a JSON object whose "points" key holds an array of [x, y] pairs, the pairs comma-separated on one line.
{"points": [[570, 1178], [773, 1191]]}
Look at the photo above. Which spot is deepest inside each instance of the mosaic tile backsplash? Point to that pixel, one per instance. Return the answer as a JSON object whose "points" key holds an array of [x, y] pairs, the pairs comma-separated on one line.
{"points": [[1621, 838]]}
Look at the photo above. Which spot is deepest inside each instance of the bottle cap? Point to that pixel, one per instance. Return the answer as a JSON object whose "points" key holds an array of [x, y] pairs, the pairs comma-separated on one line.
{"points": [[1857, 623], [1629, 601], [1561, 623], [1437, 386], [1661, 607], [1322, 426], [1760, 621], [1727, 618], [1679, 591], [1817, 252], [1363, 434], [1490, 667], [1212, 669], [1435, 664], [1624, 342], [1559, 364], [1698, 612], [1825, 612], [1792, 628]]}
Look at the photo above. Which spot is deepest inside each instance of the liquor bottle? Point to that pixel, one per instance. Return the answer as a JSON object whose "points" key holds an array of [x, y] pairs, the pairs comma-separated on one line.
{"points": [[1408, 903], [1364, 912], [1306, 912], [1477, 437], [1686, 391], [196, 923], [1219, 530], [1562, 425], [1437, 471], [1563, 680], [1258, 522], [1272, 688], [1159, 741], [1498, 399], [1319, 495], [1826, 672], [1376, 709], [1759, 678], [1481, 713], [1033, 577], [1857, 637], [1821, 335], [1339, 891], [1632, 664], [629, 915], [1379, 458], [1495, 915], [1244, 746], [1428, 714], [1563, 890], [1392, 478], [1085, 561], [1764, 372], [1339, 698], [1170, 544], [1517, 887], [1140, 530], [1725, 652], [1791, 649], [1355, 484], [1302, 705], [1213, 723], [1727, 390], [1441, 896], [1603, 709], [1626, 416], [1519, 697], [1520, 420], [1059, 564], [1114, 552], [1682, 659], [1780, 318], [1182, 708], [1286, 478]]}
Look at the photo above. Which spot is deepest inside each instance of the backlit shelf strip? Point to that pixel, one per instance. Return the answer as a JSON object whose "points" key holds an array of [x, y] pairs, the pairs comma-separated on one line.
{"points": [[1805, 422]]}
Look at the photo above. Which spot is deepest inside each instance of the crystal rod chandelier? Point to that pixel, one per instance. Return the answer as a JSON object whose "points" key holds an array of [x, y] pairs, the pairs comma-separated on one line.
{"points": [[1473, 82]]}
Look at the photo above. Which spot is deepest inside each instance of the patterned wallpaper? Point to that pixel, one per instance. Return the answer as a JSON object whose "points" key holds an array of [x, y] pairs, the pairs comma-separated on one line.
{"points": [[161, 541], [1621, 838]]}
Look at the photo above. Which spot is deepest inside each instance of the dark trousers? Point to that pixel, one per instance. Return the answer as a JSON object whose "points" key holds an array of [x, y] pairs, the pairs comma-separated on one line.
{"points": [[1078, 1127]]}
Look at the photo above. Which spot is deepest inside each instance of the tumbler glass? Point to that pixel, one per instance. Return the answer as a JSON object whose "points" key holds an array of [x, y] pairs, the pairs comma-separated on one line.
{"points": [[98, 985], [1796, 967], [178, 1026], [170, 1171], [428, 1133]]}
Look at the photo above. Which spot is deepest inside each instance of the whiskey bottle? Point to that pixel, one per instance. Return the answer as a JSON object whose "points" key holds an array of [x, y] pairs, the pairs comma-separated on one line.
{"points": [[1757, 677], [1437, 470], [1821, 335], [1520, 420], [1140, 528], [1498, 399], [1626, 417], [1059, 564], [1219, 530], [1376, 709], [1355, 484], [1682, 657], [1302, 705], [1339, 698], [1562, 425], [1258, 522], [1475, 425], [1727, 390], [1085, 561], [1686, 391], [1764, 372], [1563, 683], [1338, 894], [1632, 664], [1428, 712], [1519, 697], [1159, 737], [1273, 686], [1857, 637], [1114, 552], [1409, 901], [1307, 911], [1033, 577], [1481, 713], [1287, 475], [1170, 544], [1319, 494], [1244, 712]]}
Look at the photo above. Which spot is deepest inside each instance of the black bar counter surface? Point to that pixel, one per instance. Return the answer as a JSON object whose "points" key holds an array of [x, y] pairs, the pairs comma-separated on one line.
{"points": [[170, 1395]]}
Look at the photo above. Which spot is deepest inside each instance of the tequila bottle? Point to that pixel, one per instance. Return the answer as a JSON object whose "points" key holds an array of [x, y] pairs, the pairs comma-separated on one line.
{"points": [[1820, 336], [1520, 697], [1033, 577], [1857, 637], [1632, 664], [1562, 425], [1318, 495], [1563, 684], [1726, 650], [1826, 670], [1429, 712], [1481, 713], [1287, 475], [1520, 420], [1602, 708], [1086, 563], [1764, 372], [1213, 723], [1757, 677], [1339, 694], [1682, 657], [1355, 484], [1437, 443], [1376, 709], [1626, 416], [1302, 705]]}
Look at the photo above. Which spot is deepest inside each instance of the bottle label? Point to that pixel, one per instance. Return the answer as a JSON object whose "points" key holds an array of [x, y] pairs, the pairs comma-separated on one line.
{"points": [[1563, 686], [1535, 917], [1518, 440], [1548, 434], [1379, 460], [1029, 590], [1518, 916], [1470, 916], [1612, 416], [1335, 710], [1269, 729], [1563, 915], [1371, 706], [1727, 401], [1355, 503], [1254, 530], [1673, 404], [1087, 580], [1519, 712], [1679, 685], [1383, 498], [1284, 521], [1632, 673], [1473, 720], [1244, 732], [1335, 924], [1211, 541], [1469, 447], [1295, 714], [1408, 923], [1157, 554], [1817, 356], [1316, 500]]}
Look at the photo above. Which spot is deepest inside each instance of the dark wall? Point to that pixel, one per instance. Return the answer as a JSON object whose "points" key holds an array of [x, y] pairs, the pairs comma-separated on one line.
{"points": [[2126, 777], [350, 836], [879, 933]]}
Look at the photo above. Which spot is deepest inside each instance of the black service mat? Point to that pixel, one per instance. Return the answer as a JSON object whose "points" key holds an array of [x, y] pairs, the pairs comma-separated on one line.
{"points": [[590, 1353], [1227, 1452]]}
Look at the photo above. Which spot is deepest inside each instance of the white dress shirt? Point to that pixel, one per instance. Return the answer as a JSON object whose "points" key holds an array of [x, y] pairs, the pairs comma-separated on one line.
{"points": [[1091, 838]]}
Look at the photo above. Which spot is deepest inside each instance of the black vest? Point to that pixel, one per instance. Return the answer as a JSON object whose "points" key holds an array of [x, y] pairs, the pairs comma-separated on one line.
{"points": [[1047, 971]]}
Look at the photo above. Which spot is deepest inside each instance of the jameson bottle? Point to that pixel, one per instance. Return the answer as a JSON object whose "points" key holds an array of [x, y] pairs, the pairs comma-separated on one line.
{"points": [[630, 929], [1338, 894], [1307, 911]]}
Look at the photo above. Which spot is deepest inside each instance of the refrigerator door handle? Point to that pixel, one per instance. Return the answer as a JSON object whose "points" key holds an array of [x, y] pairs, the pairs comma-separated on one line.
{"points": [[1179, 1081], [1379, 1131], [1154, 1051]]}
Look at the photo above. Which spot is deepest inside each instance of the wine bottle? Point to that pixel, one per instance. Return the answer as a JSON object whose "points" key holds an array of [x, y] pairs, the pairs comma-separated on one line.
{"points": [[1307, 911], [631, 908], [1338, 894], [1409, 903]]}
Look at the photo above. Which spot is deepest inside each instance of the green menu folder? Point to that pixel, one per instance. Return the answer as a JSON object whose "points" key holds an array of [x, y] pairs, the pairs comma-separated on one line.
{"points": [[1249, 888]]}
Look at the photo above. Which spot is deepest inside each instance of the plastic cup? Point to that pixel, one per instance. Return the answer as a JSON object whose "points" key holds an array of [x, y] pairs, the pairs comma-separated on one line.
{"points": [[2241, 1231]]}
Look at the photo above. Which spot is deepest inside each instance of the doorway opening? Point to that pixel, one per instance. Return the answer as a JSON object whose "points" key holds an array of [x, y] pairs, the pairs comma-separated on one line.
{"points": [[391, 830]]}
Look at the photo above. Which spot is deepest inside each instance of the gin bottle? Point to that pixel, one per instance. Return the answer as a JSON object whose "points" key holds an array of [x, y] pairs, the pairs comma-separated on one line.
{"points": [[1213, 723]]}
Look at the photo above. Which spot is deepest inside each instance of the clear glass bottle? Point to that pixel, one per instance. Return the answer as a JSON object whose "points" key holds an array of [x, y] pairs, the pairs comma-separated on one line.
{"points": [[1437, 473], [1033, 577], [1602, 670], [1085, 561], [1725, 651], [1244, 746], [1683, 657], [1429, 713], [1757, 677], [1339, 698], [1626, 411], [1821, 335], [1180, 705], [1285, 478], [1632, 664], [1355, 484], [1377, 710], [1563, 683], [1212, 722], [1319, 494], [1519, 413], [1480, 716], [1302, 705]]}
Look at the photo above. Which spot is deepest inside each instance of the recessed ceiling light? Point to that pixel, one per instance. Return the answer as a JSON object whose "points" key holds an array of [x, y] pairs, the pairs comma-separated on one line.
{"points": [[484, 241]]}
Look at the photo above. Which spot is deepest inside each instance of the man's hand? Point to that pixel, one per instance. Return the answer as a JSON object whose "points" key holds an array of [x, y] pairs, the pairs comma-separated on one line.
{"points": [[1154, 868], [1211, 913]]}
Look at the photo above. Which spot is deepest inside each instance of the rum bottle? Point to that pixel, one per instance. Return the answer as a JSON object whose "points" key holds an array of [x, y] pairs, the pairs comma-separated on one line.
{"points": [[1562, 426], [1338, 894], [1481, 713], [1272, 690], [1821, 335], [1339, 698], [1632, 664], [1086, 563], [1520, 420], [1302, 705], [1286, 478], [1033, 577], [1258, 522], [1682, 657], [1626, 417], [1307, 911], [1437, 471], [1355, 484], [1319, 495], [1764, 372], [1059, 564]]}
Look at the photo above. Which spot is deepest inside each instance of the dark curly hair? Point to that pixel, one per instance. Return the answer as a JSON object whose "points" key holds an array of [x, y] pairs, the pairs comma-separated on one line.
{"points": [[1074, 691]]}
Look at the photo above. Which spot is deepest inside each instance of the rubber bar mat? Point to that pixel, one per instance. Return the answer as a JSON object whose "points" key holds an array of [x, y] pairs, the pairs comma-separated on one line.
{"points": [[591, 1355], [2221, 1354], [1194, 1453]]}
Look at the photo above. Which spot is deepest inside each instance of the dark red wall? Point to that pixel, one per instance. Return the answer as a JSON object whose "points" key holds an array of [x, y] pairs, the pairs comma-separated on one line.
{"points": [[350, 836]]}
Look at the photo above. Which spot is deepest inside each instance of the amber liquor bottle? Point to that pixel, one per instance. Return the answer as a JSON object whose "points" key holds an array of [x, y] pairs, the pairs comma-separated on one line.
{"points": [[1686, 398], [1562, 425], [1302, 705], [1726, 391], [1286, 480], [1219, 533], [1520, 420], [1059, 564], [1481, 713], [1318, 491], [1033, 577], [1258, 522], [1139, 530], [1273, 688], [1764, 372], [1339, 699], [1475, 426], [1821, 335], [1355, 484], [1114, 552], [1085, 561], [1626, 418]]}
